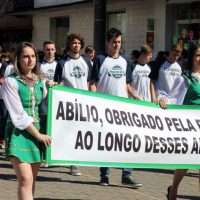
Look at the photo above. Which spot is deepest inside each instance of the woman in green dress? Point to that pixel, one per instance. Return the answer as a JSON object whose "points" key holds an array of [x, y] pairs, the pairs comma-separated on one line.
{"points": [[22, 94], [192, 98]]}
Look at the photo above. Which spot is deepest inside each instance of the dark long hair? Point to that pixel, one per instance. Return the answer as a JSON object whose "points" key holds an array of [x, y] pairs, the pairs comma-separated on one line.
{"points": [[19, 53], [191, 52]]}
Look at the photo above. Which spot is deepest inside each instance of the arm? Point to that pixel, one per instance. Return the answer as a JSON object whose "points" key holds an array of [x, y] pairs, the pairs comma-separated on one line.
{"points": [[58, 71], [153, 92], [92, 87], [130, 88], [132, 92]]}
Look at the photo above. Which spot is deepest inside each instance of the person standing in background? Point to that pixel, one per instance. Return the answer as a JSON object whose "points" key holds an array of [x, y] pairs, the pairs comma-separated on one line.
{"points": [[168, 78], [6, 69], [90, 53], [109, 75], [49, 62], [74, 71], [139, 81]]}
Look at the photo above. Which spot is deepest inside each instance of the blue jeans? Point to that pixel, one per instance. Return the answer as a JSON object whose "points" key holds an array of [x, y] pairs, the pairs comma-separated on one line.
{"points": [[105, 171]]}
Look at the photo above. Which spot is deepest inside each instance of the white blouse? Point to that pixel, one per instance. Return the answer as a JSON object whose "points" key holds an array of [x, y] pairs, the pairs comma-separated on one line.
{"points": [[19, 116]]}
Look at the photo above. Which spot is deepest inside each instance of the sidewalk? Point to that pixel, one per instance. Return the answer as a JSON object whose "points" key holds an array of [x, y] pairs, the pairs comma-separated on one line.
{"points": [[55, 183]]}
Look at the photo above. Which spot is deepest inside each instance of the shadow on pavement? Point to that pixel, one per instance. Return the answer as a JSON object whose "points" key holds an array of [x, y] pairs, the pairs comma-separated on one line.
{"points": [[188, 197], [167, 171], [2, 158], [5, 165], [97, 183], [53, 169], [55, 199], [8, 177], [43, 178]]}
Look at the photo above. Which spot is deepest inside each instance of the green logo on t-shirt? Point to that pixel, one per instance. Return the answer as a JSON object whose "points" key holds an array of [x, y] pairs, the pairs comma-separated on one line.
{"points": [[77, 72], [116, 72]]}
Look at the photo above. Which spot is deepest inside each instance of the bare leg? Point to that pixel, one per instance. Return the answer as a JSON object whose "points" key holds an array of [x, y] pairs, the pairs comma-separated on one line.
{"points": [[178, 176], [35, 169], [25, 179]]}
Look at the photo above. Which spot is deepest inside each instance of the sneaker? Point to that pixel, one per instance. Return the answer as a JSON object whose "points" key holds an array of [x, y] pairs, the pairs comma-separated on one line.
{"points": [[104, 181], [127, 180], [45, 165], [74, 171]]}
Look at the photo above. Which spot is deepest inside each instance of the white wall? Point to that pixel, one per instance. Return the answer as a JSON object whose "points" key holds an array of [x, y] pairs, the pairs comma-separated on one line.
{"points": [[81, 21], [160, 27], [138, 11]]}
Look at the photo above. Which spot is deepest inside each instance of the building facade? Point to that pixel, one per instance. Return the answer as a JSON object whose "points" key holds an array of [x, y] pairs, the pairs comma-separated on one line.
{"points": [[140, 21], [14, 28], [182, 22], [160, 23]]}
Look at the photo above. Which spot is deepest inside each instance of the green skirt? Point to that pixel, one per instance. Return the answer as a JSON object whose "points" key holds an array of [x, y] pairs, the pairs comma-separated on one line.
{"points": [[21, 144]]}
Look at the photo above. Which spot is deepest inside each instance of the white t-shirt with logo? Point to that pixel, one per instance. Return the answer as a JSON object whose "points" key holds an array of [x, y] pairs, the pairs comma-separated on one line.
{"points": [[141, 82], [75, 73], [110, 75], [47, 69], [170, 75]]}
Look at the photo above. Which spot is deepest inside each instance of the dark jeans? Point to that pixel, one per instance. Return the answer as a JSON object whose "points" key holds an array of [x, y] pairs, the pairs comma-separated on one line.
{"points": [[105, 171]]}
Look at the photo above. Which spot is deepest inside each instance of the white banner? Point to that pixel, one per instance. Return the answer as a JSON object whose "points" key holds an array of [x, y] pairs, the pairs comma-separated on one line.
{"points": [[88, 128]]}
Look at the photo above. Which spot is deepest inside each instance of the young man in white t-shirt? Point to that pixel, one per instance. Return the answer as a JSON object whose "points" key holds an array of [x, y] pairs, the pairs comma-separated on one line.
{"points": [[109, 75], [74, 71], [138, 76], [49, 63]]}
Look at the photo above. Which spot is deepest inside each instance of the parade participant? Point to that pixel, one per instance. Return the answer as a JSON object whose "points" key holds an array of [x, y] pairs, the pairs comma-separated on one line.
{"points": [[90, 53], [169, 74], [22, 94], [47, 70], [109, 76], [49, 63], [192, 97], [6, 69], [74, 71], [139, 81]]}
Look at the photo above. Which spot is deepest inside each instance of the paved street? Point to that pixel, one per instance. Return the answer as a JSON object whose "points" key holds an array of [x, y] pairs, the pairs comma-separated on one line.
{"points": [[55, 183]]}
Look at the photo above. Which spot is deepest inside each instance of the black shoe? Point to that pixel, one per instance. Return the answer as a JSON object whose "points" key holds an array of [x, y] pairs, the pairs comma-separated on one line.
{"points": [[127, 180], [74, 171], [168, 191], [104, 181]]}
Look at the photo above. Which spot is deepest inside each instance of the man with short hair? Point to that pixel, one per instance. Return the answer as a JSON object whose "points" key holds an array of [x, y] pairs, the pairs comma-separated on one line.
{"points": [[74, 71], [109, 75], [49, 62]]}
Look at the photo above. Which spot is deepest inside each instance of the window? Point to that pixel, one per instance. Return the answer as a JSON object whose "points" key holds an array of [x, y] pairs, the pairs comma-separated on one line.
{"points": [[59, 28], [150, 32], [118, 20]]}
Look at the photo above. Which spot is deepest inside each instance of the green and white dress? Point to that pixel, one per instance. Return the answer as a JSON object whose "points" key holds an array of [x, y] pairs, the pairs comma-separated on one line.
{"points": [[192, 96], [22, 102]]}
